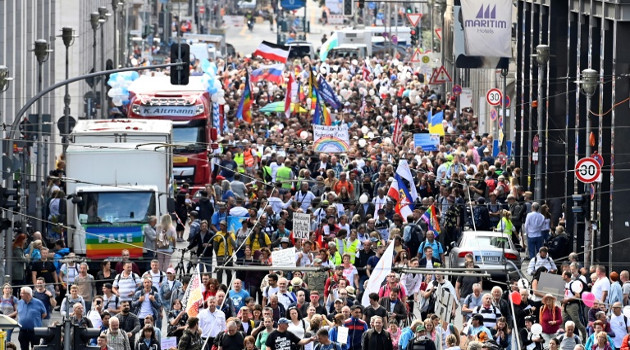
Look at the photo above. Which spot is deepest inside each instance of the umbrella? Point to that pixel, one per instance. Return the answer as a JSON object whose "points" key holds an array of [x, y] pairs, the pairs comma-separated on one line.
{"points": [[279, 107]]}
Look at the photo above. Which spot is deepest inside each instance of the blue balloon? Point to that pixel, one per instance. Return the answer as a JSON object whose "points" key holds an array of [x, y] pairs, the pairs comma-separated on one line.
{"points": [[205, 65], [406, 93]]}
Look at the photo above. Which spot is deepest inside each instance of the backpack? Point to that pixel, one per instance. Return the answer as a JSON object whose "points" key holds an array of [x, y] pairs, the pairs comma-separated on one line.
{"points": [[162, 243], [491, 185], [439, 247], [415, 234], [417, 344], [576, 338], [481, 217], [133, 276], [116, 301]]}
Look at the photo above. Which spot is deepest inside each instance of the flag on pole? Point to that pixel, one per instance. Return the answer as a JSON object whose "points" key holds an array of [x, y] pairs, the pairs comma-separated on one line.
{"points": [[435, 123], [193, 298], [269, 72], [404, 194], [273, 52], [244, 111], [291, 95], [322, 114], [380, 272], [365, 72], [363, 107], [430, 217], [397, 133]]}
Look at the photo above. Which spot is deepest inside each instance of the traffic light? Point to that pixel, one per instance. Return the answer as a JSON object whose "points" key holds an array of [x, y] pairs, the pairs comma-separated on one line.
{"points": [[361, 4], [51, 338], [180, 74], [146, 31], [581, 206], [348, 9], [6, 201], [414, 37], [82, 336]]}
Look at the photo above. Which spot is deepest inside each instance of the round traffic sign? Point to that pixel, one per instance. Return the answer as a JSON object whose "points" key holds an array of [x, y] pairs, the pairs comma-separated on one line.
{"points": [[587, 170], [493, 114], [535, 143], [457, 89], [494, 97], [502, 158], [507, 101]]}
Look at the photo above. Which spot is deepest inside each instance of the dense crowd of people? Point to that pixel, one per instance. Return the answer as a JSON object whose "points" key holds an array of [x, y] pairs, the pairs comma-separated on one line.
{"points": [[264, 173]]}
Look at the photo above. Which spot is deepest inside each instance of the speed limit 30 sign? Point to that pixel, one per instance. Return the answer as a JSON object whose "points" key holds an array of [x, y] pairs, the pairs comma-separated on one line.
{"points": [[494, 97], [587, 170]]}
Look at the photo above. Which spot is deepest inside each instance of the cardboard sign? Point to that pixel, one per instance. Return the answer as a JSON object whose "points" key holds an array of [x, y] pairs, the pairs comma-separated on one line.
{"points": [[301, 225], [283, 258]]}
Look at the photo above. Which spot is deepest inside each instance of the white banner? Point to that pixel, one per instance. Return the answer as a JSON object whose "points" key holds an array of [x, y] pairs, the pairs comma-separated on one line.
{"points": [[283, 258], [301, 225], [487, 27]]}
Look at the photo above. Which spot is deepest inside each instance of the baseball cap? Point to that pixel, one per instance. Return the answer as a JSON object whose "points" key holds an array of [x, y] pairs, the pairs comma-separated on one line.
{"points": [[170, 270], [338, 301], [420, 328], [284, 240], [283, 320], [223, 222]]}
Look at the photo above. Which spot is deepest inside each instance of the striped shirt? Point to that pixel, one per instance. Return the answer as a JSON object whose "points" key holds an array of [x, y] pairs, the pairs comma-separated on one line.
{"points": [[126, 285], [490, 315]]}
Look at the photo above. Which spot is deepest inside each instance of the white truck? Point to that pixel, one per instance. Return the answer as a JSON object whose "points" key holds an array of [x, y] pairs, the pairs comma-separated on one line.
{"points": [[352, 43], [118, 173]]}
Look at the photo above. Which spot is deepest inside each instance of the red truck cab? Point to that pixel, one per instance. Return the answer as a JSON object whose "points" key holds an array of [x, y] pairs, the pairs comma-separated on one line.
{"points": [[190, 109]]}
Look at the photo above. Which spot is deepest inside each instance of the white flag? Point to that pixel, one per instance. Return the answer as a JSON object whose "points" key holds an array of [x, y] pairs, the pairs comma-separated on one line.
{"points": [[379, 274], [487, 27]]}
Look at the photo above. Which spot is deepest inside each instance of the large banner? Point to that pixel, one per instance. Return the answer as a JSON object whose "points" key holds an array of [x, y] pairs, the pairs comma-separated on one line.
{"points": [[428, 142], [484, 41], [291, 5], [487, 27], [331, 139], [107, 241]]}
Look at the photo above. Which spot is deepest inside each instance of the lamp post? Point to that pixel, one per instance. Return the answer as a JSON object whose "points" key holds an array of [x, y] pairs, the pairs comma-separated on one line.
{"points": [[115, 5], [103, 15], [4, 85], [42, 52], [95, 21], [542, 57], [504, 74], [68, 36], [588, 86]]}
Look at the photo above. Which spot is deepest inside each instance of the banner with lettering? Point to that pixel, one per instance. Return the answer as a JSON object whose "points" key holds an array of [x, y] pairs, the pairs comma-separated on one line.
{"points": [[107, 241], [487, 27], [331, 139]]}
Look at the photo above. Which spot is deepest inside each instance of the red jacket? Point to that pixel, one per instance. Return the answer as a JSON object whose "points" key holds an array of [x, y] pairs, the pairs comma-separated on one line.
{"points": [[548, 314]]}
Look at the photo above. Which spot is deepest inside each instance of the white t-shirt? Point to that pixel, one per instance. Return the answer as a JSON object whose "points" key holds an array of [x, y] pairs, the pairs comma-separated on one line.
{"points": [[619, 326], [145, 307], [599, 287], [155, 278], [349, 273]]}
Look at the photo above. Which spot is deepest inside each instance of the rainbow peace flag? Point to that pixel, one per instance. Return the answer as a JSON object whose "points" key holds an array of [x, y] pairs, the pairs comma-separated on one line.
{"points": [[430, 217], [322, 114], [244, 111]]}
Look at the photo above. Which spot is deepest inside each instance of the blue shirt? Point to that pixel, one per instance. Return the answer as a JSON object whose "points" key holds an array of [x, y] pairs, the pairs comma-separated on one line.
{"points": [[437, 249], [30, 314], [217, 217], [238, 298]]}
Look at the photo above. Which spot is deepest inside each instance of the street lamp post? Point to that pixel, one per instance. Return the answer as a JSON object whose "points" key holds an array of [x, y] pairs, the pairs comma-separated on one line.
{"points": [[115, 5], [542, 57], [103, 15], [42, 52], [95, 21], [8, 239], [504, 74], [68, 36], [588, 86]]}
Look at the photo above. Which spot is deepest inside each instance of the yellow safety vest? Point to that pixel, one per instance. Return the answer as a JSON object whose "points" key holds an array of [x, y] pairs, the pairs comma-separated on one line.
{"points": [[283, 174]]}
